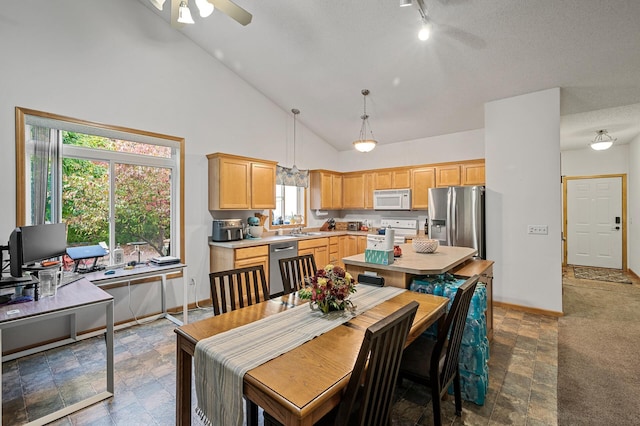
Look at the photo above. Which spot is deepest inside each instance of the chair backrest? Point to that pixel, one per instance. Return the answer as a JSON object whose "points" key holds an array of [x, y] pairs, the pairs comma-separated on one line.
{"points": [[451, 336], [237, 288], [373, 379], [295, 269]]}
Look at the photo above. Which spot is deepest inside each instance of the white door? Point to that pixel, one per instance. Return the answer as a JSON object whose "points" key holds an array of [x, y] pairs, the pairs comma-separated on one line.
{"points": [[594, 222]]}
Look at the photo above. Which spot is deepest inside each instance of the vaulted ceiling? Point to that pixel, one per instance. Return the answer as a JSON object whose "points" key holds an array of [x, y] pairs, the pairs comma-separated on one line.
{"points": [[317, 56]]}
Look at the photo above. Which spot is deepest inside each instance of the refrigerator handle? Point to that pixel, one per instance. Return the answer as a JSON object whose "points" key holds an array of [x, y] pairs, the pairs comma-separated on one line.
{"points": [[451, 216]]}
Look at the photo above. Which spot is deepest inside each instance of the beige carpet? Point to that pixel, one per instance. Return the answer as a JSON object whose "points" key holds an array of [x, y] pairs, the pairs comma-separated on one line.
{"points": [[599, 354]]}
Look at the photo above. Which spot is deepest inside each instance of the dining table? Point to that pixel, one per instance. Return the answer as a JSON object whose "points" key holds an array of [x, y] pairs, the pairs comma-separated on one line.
{"points": [[302, 385]]}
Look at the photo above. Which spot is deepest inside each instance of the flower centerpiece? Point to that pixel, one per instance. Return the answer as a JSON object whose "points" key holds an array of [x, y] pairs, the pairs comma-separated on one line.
{"points": [[329, 289]]}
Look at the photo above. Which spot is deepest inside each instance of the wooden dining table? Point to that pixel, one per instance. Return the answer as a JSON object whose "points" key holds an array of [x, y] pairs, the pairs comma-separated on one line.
{"points": [[302, 385]]}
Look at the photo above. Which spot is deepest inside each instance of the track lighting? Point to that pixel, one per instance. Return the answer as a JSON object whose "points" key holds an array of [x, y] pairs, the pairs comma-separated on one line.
{"points": [[204, 7], [157, 3], [425, 31], [405, 3], [184, 14]]}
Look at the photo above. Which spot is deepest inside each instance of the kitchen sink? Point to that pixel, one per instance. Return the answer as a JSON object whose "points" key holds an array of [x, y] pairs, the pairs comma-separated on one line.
{"points": [[305, 234]]}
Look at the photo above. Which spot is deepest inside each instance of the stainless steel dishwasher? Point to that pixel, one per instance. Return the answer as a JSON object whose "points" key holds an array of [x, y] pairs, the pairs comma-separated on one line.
{"points": [[279, 251]]}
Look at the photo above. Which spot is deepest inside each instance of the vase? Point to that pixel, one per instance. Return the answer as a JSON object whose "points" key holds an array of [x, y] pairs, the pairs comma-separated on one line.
{"points": [[325, 306]]}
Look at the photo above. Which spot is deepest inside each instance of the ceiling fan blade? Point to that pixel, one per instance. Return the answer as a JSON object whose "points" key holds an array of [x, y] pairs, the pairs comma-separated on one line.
{"points": [[232, 10]]}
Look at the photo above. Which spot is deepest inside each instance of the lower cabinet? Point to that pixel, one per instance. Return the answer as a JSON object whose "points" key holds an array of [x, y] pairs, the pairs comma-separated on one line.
{"points": [[334, 252], [223, 259], [318, 247]]}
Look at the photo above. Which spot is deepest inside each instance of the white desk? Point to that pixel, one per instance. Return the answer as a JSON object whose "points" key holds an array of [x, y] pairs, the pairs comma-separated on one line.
{"points": [[99, 278], [68, 301]]}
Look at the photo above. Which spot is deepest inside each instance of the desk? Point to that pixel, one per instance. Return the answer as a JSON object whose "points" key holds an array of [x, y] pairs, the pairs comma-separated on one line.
{"points": [[68, 301], [121, 275], [284, 386]]}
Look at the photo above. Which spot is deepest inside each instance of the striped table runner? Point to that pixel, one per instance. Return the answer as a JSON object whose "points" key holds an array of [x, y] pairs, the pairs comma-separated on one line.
{"points": [[221, 361]]}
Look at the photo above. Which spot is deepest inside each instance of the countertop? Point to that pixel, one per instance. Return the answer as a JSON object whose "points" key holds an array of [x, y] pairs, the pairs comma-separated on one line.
{"points": [[252, 242], [444, 259]]}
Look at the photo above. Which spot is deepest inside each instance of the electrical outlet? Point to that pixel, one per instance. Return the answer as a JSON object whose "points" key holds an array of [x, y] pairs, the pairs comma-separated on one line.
{"points": [[537, 230]]}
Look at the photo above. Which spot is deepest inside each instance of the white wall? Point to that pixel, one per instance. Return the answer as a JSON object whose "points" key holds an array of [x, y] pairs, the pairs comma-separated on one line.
{"points": [[116, 62], [522, 147], [438, 149], [633, 207], [587, 162]]}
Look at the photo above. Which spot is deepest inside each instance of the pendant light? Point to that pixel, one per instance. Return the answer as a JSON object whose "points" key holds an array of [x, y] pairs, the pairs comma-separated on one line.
{"points": [[602, 141], [295, 112], [364, 144]]}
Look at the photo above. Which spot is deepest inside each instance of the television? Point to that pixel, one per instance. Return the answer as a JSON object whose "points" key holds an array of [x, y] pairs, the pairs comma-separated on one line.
{"points": [[30, 244]]}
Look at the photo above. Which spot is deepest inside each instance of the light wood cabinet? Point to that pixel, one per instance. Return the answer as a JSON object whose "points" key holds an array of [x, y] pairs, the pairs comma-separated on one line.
{"points": [[353, 194], [422, 179], [362, 244], [369, 187], [393, 179], [241, 183], [448, 175], [222, 259], [334, 252], [473, 174], [326, 190], [318, 247]]}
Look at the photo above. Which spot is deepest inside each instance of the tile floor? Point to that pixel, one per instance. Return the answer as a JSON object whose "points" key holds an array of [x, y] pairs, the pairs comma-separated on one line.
{"points": [[522, 383]]}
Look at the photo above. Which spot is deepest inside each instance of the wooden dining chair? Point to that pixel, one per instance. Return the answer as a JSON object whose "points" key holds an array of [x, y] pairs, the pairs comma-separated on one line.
{"points": [[237, 288], [368, 397], [294, 271], [434, 363]]}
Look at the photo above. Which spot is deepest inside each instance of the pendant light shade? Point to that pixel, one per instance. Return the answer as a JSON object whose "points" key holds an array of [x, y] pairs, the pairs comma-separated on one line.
{"points": [[364, 143], [204, 7], [602, 141]]}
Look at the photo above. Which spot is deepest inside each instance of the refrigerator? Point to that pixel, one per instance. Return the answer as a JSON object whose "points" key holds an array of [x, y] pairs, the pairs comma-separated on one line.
{"points": [[456, 217]]}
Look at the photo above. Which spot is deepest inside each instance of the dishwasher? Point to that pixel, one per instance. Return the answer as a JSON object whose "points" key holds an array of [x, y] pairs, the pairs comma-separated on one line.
{"points": [[279, 251]]}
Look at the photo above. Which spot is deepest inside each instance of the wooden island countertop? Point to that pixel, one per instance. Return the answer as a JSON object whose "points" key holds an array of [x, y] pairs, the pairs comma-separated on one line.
{"points": [[411, 264]]}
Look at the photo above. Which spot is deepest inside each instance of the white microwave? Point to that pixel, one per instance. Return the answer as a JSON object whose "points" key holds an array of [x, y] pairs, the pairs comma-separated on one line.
{"points": [[392, 199]]}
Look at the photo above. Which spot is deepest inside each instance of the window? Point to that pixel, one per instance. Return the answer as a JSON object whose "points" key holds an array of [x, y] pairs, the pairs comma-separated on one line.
{"points": [[290, 207], [111, 184]]}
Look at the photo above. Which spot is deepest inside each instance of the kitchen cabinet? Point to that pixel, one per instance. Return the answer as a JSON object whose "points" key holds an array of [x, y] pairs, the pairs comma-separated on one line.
{"points": [[326, 190], [362, 244], [353, 193], [422, 179], [241, 183], [448, 175], [334, 252], [222, 259], [473, 174], [318, 247], [369, 187], [393, 179]]}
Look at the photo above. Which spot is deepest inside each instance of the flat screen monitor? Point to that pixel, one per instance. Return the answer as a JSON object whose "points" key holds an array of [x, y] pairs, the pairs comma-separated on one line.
{"points": [[30, 244]]}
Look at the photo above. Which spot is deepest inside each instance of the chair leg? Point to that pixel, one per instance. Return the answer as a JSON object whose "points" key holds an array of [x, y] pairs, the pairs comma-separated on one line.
{"points": [[252, 413], [435, 401], [457, 392]]}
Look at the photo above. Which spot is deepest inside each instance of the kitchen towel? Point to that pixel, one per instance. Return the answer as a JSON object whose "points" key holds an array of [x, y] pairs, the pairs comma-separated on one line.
{"points": [[221, 361]]}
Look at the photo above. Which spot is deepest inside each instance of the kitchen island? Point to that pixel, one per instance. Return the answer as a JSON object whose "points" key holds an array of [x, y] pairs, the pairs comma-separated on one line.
{"points": [[411, 264]]}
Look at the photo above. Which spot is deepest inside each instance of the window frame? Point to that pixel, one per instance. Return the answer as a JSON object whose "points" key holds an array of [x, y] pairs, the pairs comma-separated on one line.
{"points": [[102, 130], [289, 225]]}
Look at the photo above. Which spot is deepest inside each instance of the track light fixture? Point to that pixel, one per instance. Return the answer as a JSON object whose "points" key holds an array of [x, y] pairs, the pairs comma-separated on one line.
{"points": [[157, 3], [184, 14], [204, 7], [405, 3], [426, 27]]}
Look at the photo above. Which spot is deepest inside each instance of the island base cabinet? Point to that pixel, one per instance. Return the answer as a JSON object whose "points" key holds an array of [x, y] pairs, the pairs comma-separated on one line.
{"points": [[391, 278], [484, 268]]}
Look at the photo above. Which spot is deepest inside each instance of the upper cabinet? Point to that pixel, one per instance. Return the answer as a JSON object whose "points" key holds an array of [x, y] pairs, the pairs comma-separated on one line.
{"points": [[473, 173], [241, 183], [448, 175], [369, 186], [393, 179], [422, 179], [353, 192], [326, 190]]}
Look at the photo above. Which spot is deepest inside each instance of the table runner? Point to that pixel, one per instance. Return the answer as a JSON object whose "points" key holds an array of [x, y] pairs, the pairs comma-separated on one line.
{"points": [[221, 361]]}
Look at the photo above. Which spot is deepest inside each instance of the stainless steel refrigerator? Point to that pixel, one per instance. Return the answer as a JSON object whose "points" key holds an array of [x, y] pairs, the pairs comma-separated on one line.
{"points": [[456, 217]]}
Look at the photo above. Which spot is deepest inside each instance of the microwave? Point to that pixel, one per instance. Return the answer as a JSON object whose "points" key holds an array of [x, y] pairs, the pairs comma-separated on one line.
{"points": [[392, 199]]}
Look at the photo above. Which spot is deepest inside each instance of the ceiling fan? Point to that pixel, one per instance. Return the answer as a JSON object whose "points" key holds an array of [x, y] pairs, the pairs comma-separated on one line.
{"points": [[227, 6]]}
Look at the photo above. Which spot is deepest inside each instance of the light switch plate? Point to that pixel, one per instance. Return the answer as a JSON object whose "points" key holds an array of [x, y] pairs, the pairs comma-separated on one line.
{"points": [[537, 229]]}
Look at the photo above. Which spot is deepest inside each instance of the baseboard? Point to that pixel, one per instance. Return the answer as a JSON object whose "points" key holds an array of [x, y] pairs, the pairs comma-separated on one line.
{"points": [[528, 309], [633, 273]]}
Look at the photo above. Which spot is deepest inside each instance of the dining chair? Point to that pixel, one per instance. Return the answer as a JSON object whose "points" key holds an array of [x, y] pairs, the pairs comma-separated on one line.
{"points": [[237, 288], [368, 397], [434, 363], [294, 271]]}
